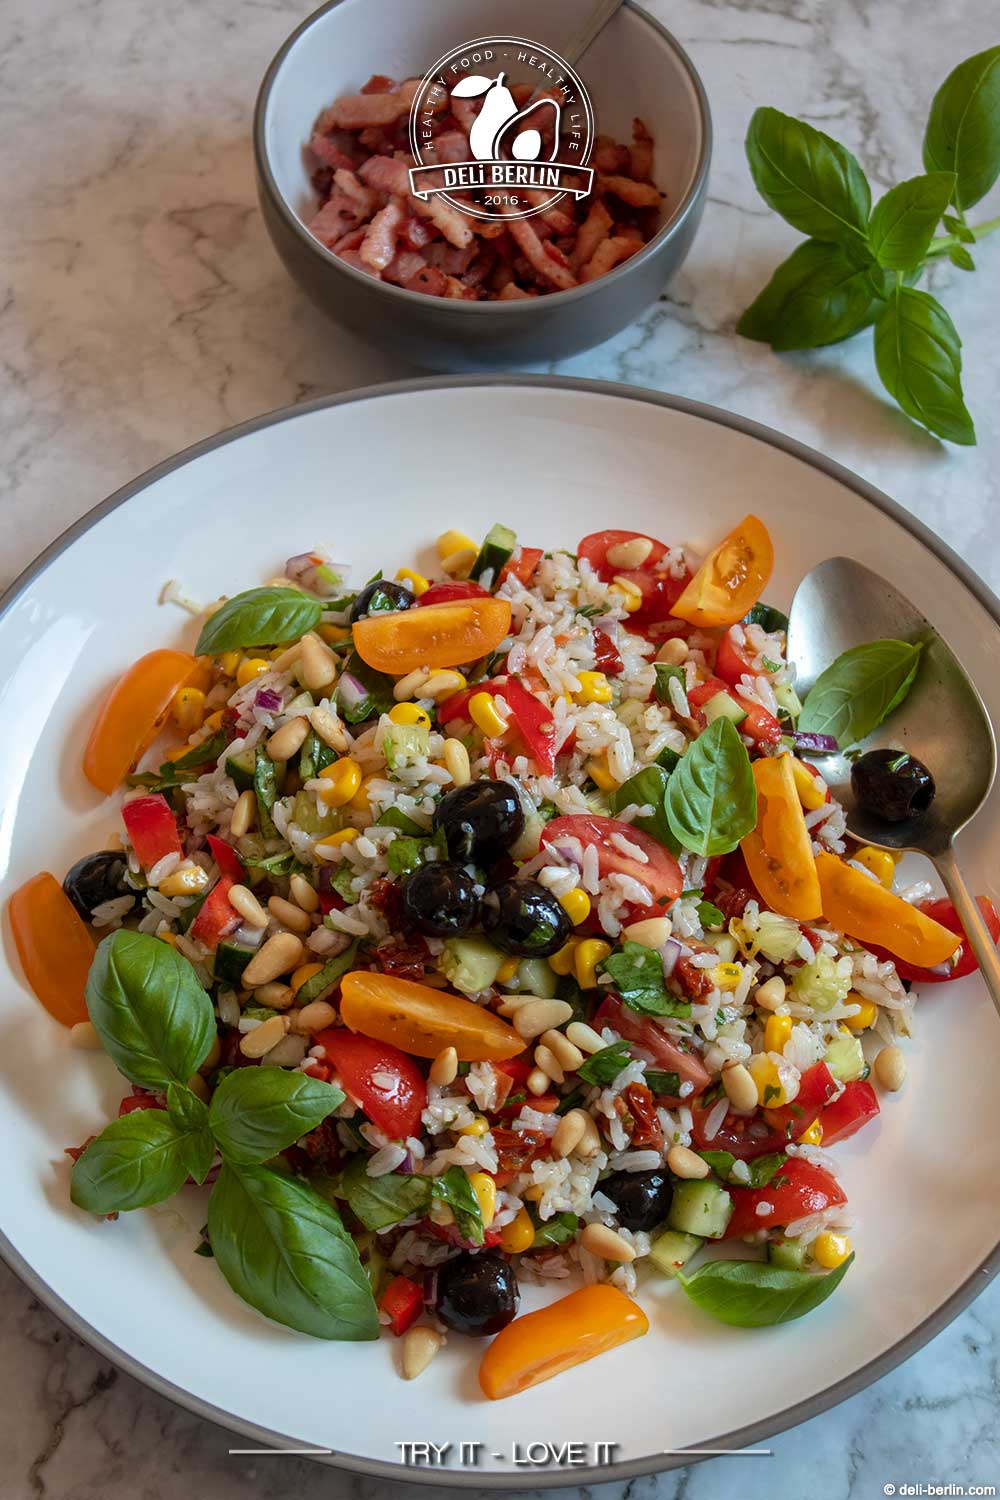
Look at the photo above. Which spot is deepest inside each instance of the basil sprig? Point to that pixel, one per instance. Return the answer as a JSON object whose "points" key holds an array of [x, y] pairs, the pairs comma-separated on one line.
{"points": [[711, 798], [259, 617], [859, 264], [136, 1161], [257, 1112], [380, 1202], [859, 690], [648, 787], [752, 1294]]}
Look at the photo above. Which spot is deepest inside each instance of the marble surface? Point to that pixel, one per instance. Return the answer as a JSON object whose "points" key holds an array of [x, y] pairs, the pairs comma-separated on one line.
{"points": [[142, 308]]}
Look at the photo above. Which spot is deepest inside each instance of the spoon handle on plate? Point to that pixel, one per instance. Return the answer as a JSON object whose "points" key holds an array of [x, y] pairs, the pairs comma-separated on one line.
{"points": [[971, 919], [591, 28]]}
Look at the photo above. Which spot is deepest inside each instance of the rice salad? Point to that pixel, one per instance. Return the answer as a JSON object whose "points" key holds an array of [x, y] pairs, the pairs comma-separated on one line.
{"points": [[487, 929]]}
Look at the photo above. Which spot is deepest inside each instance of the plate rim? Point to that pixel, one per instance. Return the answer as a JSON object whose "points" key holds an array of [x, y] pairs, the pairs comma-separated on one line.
{"points": [[742, 1437]]}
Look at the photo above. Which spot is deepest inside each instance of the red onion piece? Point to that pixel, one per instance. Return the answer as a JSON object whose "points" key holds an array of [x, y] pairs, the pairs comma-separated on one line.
{"points": [[815, 744], [351, 691], [671, 953], [267, 700]]}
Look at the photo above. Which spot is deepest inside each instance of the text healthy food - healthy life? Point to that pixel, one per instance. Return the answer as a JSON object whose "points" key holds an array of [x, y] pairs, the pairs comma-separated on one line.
{"points": [[495, 929], [859, 266]]}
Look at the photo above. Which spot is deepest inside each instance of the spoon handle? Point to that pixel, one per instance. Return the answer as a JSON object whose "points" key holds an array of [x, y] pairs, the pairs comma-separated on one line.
{"points": [[971, 919], [591, 28]]}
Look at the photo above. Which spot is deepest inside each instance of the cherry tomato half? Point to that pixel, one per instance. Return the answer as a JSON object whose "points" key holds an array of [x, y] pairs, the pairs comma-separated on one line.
{"points": [[864, 909], [667, 1054], [964, 961], [54, 945], [660, 590], [381, 1080], [132, 715], [731, 579], [798, 1189], [541, 1344], [422, 1020], [441, 635], [660, 874], [778, 851]]}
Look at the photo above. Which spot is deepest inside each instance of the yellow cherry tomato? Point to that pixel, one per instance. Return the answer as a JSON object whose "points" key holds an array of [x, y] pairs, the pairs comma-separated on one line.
{"points": [[54, 945], [542, 1344], [731, 580], [422, 1020], [438, 635], [133, 714], [778, 851], [864, 909]]}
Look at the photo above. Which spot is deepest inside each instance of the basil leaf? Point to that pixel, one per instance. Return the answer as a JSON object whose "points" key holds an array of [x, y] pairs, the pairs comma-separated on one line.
{"points": [[341, 883], [136, 1161], [904, 220], [711, 798], [380, 1202], [709, 915], [665, 674], [963, 128], [272, 864], [604, 1066], [764, 1168], [257, 1112], [260, 617], [454, 1188], [404, 855], [265, 785], [767, 617], [960, 230], [647, 787], [378, 697], [190, 1115], [153, 1017], [284, 1249], [960, 257], [393, 818], [810, 179], [860, 689], [819, 295], [176, 772], [661, 1083], [919, 360], [316, 987], [314, 756], [721, 1162], [558, 1230], [751, 1294], [637, 973]]}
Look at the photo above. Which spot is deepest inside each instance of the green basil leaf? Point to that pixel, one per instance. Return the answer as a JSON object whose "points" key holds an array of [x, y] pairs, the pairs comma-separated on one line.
{"points": [[394, 818], [665, 674], [454, 1188], [604, 1066], [711, 797], [810, 179], [960, 257], [662, 1084], [918, 355], [648, 787], [637, 973], [284, 1249], [721, 1162], [767, 617], [761, 1171], [316, 987], [752, 1294], [904, 220], [380, 1202], [963, 128], [136, 1161], [819, 295], [177, 772], [260, 617], [559, 1230], [709, 915], [378, 697], [272, 864], [861, 688], [190, 1115], [764, 1168], [341, 883], [153, 1017], [257, 1112]]}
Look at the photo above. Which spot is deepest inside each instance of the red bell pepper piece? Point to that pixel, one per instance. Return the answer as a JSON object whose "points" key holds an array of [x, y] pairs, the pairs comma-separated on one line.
{"points": [[796, 1190], [849, 1111], [151, 828], [817, 1087], [216, 917], [226, 857], [522, 566], [402, 1302], [533, 721], [607, 655]]}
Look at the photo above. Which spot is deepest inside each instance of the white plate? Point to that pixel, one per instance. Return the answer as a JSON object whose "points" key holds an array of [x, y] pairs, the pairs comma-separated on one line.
{"points": [[377, 476]]}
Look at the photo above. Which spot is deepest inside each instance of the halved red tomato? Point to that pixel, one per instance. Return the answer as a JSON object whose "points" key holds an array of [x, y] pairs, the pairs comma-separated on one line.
{"points": [[961, 963], [817, 1087], [380, 1078], [849, 1111], [449, 590], [731, 660], [762, 727], [660, 874], [660, 591], [666, 1053], [743, 1136], [799, 1188]]}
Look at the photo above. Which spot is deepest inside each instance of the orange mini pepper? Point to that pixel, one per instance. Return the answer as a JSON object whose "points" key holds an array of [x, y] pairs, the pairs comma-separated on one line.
{"points": [[438, 635], [54, 945], [422, 1021], [864, 909], [132, 715], [778, 851], [541, 1344]]}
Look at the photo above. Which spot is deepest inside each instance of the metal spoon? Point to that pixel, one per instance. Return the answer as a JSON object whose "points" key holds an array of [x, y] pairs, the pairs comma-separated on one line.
{"points": [[590, 30], [942, 722]]}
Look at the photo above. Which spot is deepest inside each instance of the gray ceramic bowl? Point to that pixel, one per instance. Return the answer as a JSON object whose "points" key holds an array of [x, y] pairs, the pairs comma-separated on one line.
{"points": [[635, 67]]}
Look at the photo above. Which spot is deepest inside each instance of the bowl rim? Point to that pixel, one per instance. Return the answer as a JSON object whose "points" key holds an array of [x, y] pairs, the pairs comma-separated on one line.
{"points": [[739, 1438], [667, 232]]}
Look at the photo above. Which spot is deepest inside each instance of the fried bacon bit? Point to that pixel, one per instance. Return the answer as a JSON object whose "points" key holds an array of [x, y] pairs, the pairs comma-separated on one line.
{"points": [[431, 280], [610, 253], [640, 156], [386, 174], [540, 256], [635, 194], [379, 247]]}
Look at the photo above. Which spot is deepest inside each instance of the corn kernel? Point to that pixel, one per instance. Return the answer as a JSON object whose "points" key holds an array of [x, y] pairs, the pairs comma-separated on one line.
{"points": [[229, 661], [562, 962], [410, 713], [880, 862], [478, 1126], [594, 688], [508, 970], [576, 905], [485, 1190], [589, 953], [811, 789], [630, 592], [342, 836], [813, 1136], [419, 582], [597, 770], [343, 780], [519, 1234], [777, 1032], [865, 1016], [303, 973], [485, 716], [214, 721], [454, 541], [770, 1089], [184, 882], [831, 1250], [250, 668], [727, 976]]}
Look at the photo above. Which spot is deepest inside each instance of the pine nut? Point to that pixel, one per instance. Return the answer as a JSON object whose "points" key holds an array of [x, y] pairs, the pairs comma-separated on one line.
{"points": [[277, 996], [288, 915], [317, 664], [584, 1037], [263, 1037], [630, 554], [456, 759], [538, 1082], [444, 1068], [316, 1016], [442, 685], [686, 1164], [890, 1069], [280, 955], [409, 686], [740, 1087], [673, 652], [84, 1035], [537, 1016], [569, 1132], [420, 1345], [546, 1059], [590, 1141], [198, 1086], [328, 727], [652, 933], [243, 900], [288, 740], [288, 658], [302, 893], [568, 1056], [457, 563], [605, 1243], [243, 814], [770, 994]]}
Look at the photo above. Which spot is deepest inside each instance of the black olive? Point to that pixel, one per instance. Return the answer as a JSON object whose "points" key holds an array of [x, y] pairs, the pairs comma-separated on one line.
{"points": [[892, 785], [480, 820], [641, 1199], [97, 878], [477, 1294], [441, 898], [522, 917], [381, 597]]}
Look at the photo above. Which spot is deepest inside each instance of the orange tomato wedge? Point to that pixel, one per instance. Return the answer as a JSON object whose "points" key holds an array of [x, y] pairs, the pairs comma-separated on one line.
{"points": [[864, 909], [439, 635], [132, 715], [778, 851], [54, 945], [731, 580], [423, 1021], [541, 1344]]}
